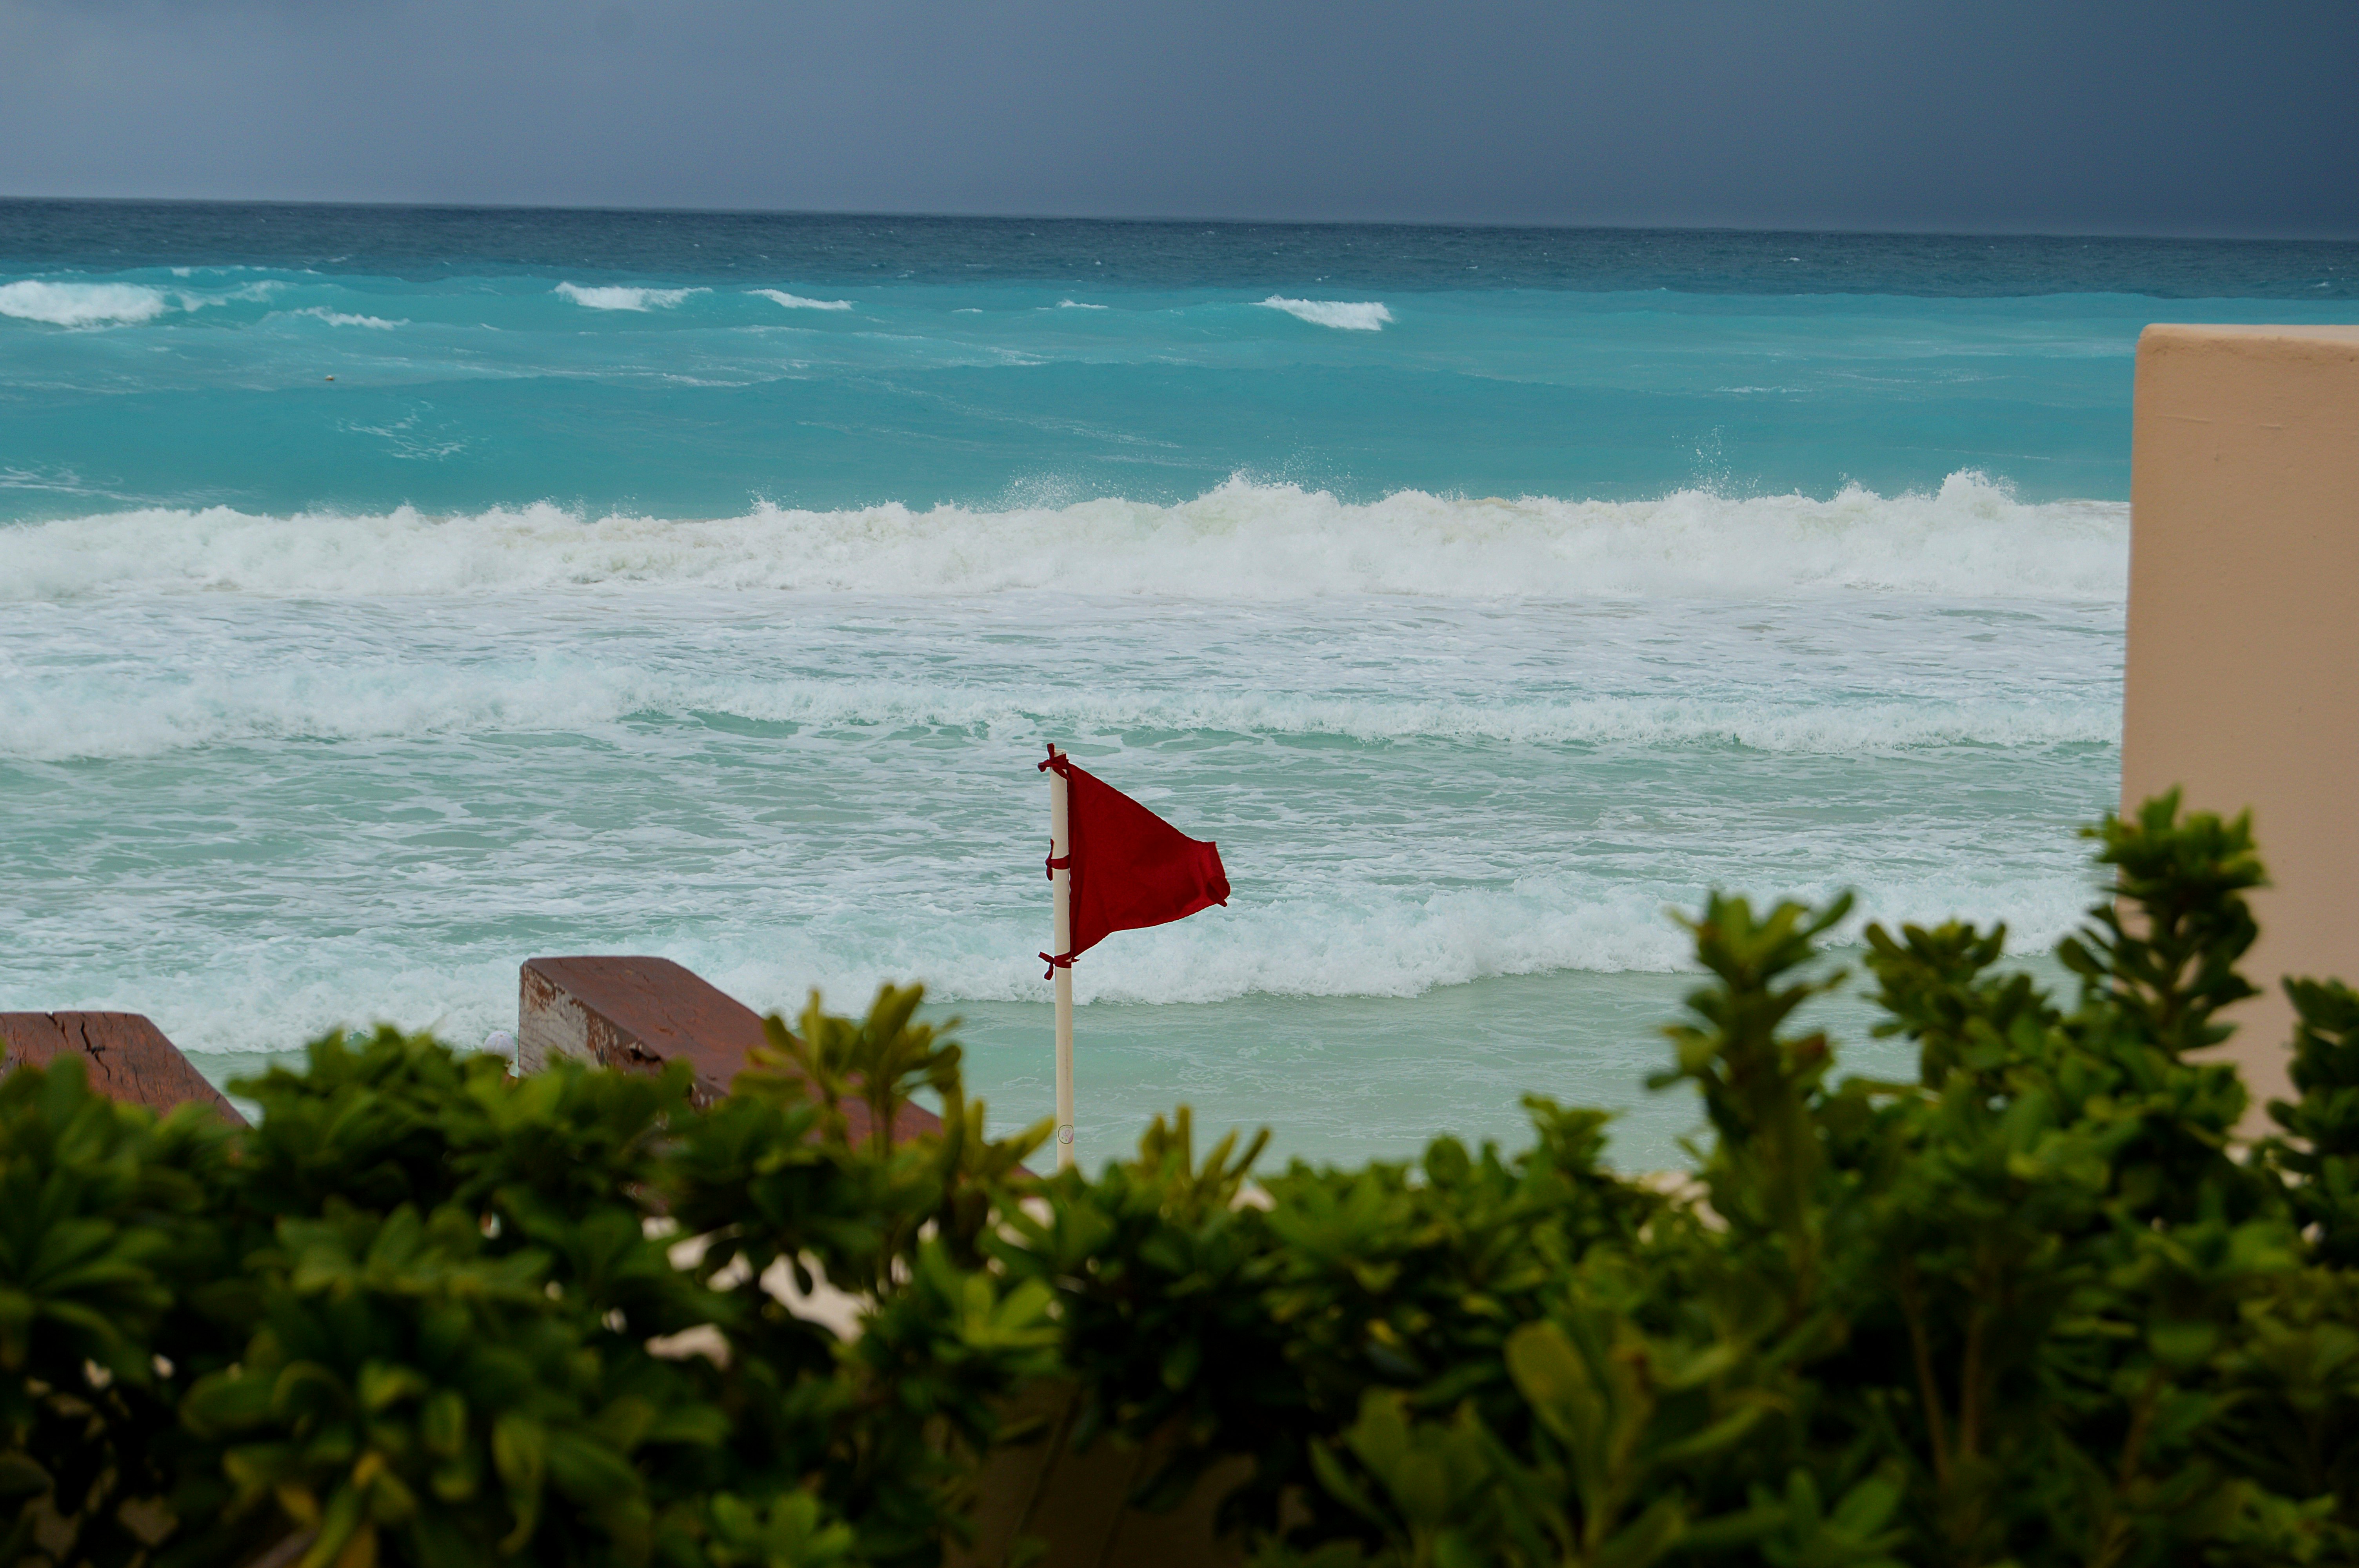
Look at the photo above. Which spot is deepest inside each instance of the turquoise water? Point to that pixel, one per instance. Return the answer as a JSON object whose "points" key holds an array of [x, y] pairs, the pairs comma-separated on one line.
{"points": [[707, 586]]}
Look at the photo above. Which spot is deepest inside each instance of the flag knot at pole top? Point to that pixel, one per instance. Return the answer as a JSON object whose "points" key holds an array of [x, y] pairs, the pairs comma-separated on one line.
{"points": [[1130, 869]]}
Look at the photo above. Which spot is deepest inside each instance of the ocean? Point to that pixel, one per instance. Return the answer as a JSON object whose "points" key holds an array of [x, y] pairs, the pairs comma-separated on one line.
{"points": [[389, 595]]}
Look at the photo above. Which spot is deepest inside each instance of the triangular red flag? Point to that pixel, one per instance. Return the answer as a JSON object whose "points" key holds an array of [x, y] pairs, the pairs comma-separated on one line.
{"points": [[1131, 869]]}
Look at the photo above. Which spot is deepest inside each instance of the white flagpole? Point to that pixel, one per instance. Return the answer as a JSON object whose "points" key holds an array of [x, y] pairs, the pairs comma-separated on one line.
{"points": [[1061, 845]]}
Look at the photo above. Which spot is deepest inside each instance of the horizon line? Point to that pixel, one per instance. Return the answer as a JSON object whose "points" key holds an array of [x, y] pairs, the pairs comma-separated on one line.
{"points": [[887, 215]]}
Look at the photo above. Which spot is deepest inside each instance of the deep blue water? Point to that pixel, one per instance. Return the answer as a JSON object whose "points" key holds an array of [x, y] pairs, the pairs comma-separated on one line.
{"points": [[427, 242], [179, 354]]}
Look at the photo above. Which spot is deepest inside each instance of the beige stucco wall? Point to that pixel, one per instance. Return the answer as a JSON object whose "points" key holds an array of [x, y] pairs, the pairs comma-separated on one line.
{"points": [[2242, 678]]}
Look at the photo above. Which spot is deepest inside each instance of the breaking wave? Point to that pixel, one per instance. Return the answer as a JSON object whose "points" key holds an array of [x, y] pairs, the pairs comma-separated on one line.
{"points": [[618, 296], [342, 319], [77, 304], [1357, 944], [1241, 541], [797, 302], [1362, 942], [1364, 315], [80, 304]]}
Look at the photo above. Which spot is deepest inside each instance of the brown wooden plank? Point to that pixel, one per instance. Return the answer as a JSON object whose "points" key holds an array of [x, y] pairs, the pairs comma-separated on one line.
{"points": [[126, 1055], [635, 1014]]}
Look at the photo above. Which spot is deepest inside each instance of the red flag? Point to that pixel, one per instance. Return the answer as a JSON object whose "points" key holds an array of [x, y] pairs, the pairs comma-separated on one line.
{"points": [[1131, 869]]}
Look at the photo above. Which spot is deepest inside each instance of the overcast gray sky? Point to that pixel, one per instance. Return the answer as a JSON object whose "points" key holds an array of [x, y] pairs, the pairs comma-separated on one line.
{"points": [[2168, 117]]}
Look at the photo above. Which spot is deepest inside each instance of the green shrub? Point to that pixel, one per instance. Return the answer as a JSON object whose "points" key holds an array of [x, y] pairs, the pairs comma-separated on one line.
{"points": [[2038, 1306], [425, 1313]]}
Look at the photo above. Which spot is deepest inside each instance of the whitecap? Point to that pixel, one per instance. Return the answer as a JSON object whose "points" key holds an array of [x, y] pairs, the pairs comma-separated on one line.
{"points": [[1348, 316], [619, 296], [248, 293], [1241, 541], [338, 319], [1077, 305], [797, 302], [80, 304]]}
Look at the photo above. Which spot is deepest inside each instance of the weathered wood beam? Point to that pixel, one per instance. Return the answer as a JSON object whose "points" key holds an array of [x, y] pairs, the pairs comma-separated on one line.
{"points": [[636, 1014], [127, 1058]]}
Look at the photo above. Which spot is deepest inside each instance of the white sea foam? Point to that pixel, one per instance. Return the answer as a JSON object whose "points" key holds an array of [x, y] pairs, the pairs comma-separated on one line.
{"points": [[256, 998], [339, 319], [1364, 942], [619, 296], [246, 293], [1348, 316], [272, 996], [80, 304], [76, 304], [1367, 944], [1241, 541], [67, 717], [797, 302], [1077, 305]]}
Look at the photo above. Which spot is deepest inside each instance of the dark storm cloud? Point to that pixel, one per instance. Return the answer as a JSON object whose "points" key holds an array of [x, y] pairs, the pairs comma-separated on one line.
{"points": [[1911, 113]]}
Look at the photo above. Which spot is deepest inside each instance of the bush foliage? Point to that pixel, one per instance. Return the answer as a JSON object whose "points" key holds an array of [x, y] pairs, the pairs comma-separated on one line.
{"points": [[2038, 1306]]}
